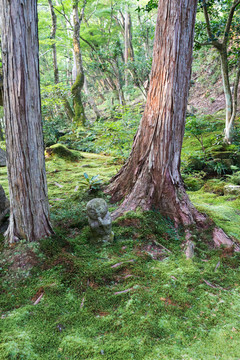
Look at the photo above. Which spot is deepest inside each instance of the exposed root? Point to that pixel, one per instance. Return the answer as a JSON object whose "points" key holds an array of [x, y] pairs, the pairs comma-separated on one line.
{"points": [[220, 238]]}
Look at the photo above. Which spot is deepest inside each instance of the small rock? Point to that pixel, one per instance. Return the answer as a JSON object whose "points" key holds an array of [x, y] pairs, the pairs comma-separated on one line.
{"points": [[232, 190], [189, 249]]}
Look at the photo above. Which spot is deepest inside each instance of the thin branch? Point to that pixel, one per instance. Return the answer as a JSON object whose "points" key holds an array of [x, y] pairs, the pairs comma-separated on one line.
{"points": [[64, 15], [44, 53], [82, 13], [89, 17], [229, 21], [87, 42], [214, 41], [204, 43]]}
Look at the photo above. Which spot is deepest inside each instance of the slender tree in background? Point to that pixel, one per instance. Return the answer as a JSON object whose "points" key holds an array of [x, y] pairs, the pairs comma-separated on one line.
{"points": [[221, 44], [67, 107], [79, 117], [29, 208], [151, 177]]}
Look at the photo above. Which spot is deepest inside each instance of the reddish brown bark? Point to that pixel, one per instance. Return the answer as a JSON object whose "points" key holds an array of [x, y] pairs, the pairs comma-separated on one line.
{"points": [[151, 177], [29, 209]]}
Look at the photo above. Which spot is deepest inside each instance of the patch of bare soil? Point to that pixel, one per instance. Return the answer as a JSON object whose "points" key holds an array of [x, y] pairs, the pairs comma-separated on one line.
{"points": [[155, 251], [204, 96]]}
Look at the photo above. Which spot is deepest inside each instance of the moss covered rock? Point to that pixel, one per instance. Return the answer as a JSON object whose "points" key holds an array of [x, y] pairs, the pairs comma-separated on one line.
{"points": [[63, 152], [232, 190]]}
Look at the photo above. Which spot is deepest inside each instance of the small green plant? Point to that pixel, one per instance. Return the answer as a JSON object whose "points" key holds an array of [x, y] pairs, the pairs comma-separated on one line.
{"points": [[219, 168], [91, 184], [199, 127], [234, 178]]}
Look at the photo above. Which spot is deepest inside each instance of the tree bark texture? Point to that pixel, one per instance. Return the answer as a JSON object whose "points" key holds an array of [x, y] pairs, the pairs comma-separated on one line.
{"points": [[29, 208], [151, 177], [227, 93], [77, 87]]}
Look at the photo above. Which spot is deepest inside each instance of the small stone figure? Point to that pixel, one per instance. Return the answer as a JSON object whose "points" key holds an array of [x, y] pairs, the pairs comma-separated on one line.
{"points": [[100, 221]]}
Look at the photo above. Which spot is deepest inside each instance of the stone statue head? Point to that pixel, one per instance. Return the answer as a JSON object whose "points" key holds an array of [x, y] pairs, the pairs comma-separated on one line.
{"points": [[97, 208]]}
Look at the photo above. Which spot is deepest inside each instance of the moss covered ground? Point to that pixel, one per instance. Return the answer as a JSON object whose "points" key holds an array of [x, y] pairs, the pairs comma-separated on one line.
{"points": [[138, 298]]}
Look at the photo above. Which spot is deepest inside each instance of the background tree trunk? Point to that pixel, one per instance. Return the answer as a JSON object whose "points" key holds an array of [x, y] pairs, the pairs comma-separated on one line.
{"points": [[67, 106], [151, 177], [29, 209], [79, 117], [222, 47], [53, 37]]}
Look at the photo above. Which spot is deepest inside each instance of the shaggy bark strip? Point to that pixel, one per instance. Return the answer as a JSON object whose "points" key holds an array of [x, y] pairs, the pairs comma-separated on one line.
{"points": [[29, 209], [151, 177]]}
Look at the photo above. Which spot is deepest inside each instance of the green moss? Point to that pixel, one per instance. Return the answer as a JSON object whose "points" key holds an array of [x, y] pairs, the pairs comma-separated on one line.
{"points": [[132, 299], [224, 210], [79, 116], [63, 152], [193, 183], [118, 302], [215, 186]]}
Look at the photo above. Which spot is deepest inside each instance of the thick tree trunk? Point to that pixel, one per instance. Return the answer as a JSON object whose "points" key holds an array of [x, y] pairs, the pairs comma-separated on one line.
{"points": [[29, 209], [79, 118], [151, 177]]}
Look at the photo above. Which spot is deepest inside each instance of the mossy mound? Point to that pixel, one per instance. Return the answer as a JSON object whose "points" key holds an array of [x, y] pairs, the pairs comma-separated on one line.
{"points": [[62, 152], [193, 183], [214, 186]]}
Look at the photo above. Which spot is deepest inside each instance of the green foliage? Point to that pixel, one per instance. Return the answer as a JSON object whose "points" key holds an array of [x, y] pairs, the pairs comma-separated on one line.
{"points": [[219, 168], [115, 136], [234, 178], [152, 4], [112, 137], [218, 11], [195, 181], [199, 127]]}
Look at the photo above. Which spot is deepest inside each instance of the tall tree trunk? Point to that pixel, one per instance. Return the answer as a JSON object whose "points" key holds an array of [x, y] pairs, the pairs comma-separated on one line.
{"points": [[79, 118], [29, 209], [53, 37], [227, 93], [151, 177], [129, 52]]}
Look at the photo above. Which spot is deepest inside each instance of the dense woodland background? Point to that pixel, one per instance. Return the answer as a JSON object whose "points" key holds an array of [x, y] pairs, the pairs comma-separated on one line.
{"points": [[138, 298]]}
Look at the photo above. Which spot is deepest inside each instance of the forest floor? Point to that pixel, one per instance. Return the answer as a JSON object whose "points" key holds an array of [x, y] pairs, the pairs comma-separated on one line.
{"points": [[138, 298]]}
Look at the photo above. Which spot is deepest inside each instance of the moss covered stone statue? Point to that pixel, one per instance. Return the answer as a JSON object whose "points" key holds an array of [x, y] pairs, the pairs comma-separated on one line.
{"points": [[100, 220]]}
